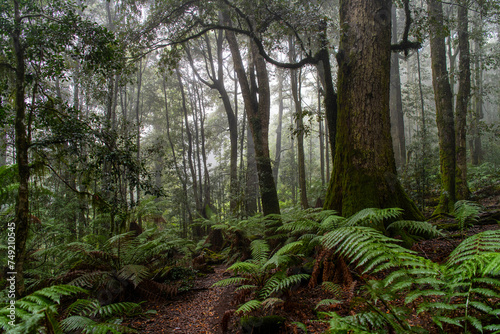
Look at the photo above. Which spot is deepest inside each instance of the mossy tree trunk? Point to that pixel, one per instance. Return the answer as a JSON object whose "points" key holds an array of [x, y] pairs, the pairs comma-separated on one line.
{"points": [[364, 171], [21, 218], [463, 98], [444, 108]]}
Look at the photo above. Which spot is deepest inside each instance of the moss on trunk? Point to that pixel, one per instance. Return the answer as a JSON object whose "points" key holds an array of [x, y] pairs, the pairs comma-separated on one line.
{"points": [[364, 172]]}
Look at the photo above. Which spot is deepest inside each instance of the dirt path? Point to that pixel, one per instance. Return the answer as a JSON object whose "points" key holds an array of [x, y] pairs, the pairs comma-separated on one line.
{"points": [[198, 311]]}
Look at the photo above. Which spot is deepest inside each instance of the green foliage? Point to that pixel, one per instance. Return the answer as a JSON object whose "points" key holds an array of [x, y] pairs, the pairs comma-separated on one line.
{"points": [[460, 292], [111, 267], [264, 277], [466, 213], [40, 310]]}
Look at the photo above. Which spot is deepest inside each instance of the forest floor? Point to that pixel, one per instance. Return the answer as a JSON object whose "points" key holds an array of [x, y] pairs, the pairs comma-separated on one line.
{"points": [[204, 309]]}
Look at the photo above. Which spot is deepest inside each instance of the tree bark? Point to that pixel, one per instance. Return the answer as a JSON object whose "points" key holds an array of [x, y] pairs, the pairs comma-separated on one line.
{"points": [[444, 109], [396, 103], [475, 140], [279, 128], [21, 219], [297, 101], [257, 106], [364, 172], [463, 97]]}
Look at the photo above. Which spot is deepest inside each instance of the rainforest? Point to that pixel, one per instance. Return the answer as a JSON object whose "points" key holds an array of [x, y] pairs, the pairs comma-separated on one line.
{"points": [[249, 166]]}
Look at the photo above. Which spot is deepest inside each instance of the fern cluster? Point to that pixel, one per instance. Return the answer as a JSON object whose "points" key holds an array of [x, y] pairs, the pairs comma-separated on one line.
{"points": [[462, 292], [40, 310], [264, 277]]}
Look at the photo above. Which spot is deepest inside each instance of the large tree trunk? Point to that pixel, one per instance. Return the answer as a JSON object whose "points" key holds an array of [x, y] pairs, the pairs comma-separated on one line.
{"points": [[364, 173], [21, 219], [396, 103], [463, 97], [444, 109], [257, 106]]}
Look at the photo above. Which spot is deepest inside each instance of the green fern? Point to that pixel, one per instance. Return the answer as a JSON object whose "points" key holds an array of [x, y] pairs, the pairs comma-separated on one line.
{"points": [[265, 274], [37, 310], [458, 293], [467, 213], [373, 217]]}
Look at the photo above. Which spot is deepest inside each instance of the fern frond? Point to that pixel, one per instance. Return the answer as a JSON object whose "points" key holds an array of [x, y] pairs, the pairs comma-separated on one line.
{"points": [[333, 288], [243, 287], [299, 226], [87, 325], [327, 302], [231, 281], [134, 273], [271, 302], [117, 309], [246, 267], [373, 216], [367, 246], [249, 306], [331, 222], [260, 250], [467, 212], [290, 281], [473, 248], [419, 228], [493, 266], [279, 258], [92, 279]]}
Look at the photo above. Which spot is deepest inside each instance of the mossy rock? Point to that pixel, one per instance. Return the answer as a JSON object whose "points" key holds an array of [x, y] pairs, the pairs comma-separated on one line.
{"points": [[270, 324]]}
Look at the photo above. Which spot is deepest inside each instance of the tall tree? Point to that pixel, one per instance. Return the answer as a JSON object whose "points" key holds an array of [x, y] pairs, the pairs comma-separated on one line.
{"points": [[364, 171], [475, 143], [215, 74], [37, 34], [256, 97], [277, 155], [297, 101], [463, 97], [444, 108], [396, 103]]}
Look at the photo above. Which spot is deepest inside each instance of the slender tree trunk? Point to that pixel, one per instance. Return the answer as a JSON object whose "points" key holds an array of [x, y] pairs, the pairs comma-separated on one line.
{"points": [[444, 109], [252, 179], [21, 219], [321, 136], [463, 97], [425, 155], [138, 134], [277, 158], [257, 110], [475, 141], [396, 103], [196, 231], [297, 101], [325, 73], [182, 176], [364, 171]]}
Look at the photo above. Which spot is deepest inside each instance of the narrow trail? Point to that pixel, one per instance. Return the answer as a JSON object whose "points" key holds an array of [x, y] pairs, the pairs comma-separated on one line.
{"points": [[198, 311]]}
